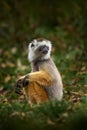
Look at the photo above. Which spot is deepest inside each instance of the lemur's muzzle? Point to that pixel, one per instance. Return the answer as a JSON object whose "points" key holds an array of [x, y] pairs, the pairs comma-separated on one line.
{"points": [[44, 49]]}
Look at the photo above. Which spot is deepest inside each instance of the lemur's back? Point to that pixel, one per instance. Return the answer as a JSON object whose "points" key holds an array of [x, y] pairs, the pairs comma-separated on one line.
{"points": [[55, 90]]}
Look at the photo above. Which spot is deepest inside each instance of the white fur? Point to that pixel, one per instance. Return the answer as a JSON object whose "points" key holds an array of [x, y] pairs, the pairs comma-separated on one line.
{"points": [[32, 54]]}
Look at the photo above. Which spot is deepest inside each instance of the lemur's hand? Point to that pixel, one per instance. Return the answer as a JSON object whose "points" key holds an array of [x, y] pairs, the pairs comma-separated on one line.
{"points": [[22, 82], [25, 81]]}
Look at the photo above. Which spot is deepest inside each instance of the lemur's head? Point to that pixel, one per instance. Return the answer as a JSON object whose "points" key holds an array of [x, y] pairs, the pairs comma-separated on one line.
{"points": [[39, 50]]}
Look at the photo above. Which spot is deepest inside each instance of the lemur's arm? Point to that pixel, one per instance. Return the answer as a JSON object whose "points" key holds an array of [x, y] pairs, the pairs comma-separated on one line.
{"points": [[41, 77]]}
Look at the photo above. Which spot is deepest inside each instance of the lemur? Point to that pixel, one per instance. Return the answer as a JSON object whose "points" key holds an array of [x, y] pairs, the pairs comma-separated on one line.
{"points": [[44, 82]]}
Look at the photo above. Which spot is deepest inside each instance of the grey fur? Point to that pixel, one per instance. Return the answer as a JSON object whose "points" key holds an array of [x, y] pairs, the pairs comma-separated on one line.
{"points": [[56, 90]]}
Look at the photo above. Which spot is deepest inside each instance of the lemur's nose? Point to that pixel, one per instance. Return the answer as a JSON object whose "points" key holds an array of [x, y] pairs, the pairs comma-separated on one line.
{"points": [[44, 49]]}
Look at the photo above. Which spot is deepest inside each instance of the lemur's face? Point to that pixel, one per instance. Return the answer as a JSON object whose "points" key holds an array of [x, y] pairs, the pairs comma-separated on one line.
{"points": [[39, 49]]}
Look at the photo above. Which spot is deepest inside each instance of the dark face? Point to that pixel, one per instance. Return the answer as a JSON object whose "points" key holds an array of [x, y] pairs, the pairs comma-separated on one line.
{"points": [[43, 49]]}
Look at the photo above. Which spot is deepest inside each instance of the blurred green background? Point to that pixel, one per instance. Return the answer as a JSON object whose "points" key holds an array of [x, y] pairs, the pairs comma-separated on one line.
{"points": [[65, 24]]}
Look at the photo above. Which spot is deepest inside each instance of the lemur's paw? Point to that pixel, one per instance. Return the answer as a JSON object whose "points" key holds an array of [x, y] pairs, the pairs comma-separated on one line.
{"points": [[25, 81], [18, 86]]}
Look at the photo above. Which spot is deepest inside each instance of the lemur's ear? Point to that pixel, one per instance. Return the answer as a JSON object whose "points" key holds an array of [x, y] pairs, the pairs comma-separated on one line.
{"points": [[32, 45]]}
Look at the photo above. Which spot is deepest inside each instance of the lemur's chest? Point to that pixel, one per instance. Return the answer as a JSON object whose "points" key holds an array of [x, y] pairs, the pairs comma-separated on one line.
{"points": [[36, 66]]}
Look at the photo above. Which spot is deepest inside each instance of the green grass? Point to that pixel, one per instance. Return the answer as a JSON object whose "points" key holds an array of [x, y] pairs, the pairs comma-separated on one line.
{"points": [[69, 54]]}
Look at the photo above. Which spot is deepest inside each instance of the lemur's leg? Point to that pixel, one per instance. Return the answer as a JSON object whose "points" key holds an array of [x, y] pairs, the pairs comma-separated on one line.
{"points": [[41, 77], [35, 93]]}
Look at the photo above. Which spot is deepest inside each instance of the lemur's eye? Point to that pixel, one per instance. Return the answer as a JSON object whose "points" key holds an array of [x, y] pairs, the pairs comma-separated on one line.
{"points": [[32, 45]]}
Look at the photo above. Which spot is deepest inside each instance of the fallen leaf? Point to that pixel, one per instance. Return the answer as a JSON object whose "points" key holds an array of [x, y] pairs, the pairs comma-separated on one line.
{"points": [[85, 85], [7, 78], [3, 65], [13, 50], [50, 121], [10, 64], [20, 65]]}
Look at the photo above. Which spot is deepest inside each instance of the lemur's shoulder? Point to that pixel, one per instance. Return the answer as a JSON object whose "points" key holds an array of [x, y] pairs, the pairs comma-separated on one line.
{"points": [[49, 64]]}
